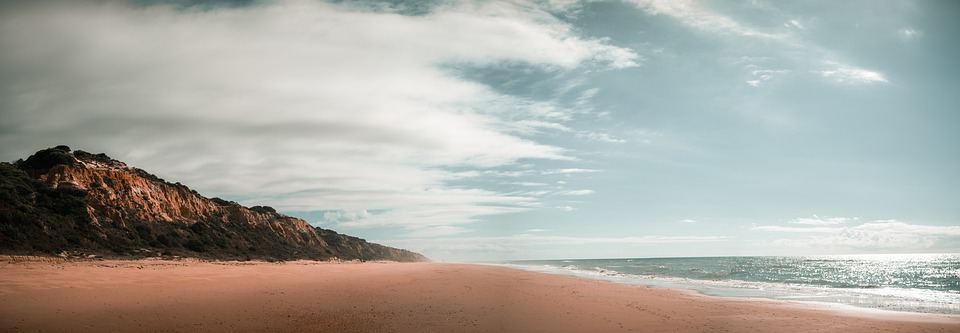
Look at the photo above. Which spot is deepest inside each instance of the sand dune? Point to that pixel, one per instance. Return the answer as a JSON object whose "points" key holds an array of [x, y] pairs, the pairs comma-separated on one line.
{"points": [[191, 296]]}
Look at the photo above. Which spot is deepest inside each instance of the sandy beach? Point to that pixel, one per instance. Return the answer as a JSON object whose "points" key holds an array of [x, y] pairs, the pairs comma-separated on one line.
{"points": [[189, 296]]}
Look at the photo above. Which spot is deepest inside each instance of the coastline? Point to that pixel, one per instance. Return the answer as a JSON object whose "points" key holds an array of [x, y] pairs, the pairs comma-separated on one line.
{"points": [[890, 299], [185, 296]]}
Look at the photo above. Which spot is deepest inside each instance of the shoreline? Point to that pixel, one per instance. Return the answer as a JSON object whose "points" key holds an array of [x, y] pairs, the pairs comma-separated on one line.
{"points": [[185, 296], [827, 297]]}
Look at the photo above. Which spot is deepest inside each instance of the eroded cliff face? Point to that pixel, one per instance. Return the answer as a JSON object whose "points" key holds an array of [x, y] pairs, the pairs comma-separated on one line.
{"points": [[130, 211]]}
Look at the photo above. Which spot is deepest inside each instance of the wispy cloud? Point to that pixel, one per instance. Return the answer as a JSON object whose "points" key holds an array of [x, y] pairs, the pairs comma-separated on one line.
{"points": [[792, 46], [430, 216], [794, 23], [574, 192], [568, 171], [910, 33], [693, 13], [528, 184], [851, 75], [444, 246], [818, 220], [601, 137], [345, 215], [546, 172], [443, 230], [774, 228], [315, 106], [765, 76], [876, 235]]}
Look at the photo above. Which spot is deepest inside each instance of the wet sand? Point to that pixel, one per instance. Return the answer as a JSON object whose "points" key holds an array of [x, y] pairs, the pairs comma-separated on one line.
{"points": [[190, 296]]}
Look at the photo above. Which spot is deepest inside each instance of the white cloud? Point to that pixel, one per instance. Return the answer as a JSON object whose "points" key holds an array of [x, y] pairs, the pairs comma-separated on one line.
{"points": [[568, 171], [530, 127], [586, 95], [574, 192], [694, 14], [791, 46], [764, 76], [565, 5], [536, 193], [565, 208], [774, 228], [314, 106], [646, 136], [885, 235], [795, 24], [601, 137], [547, 172], [688, 221], [445, 246], [443, 230], [343, 215], [817, 220], [430, 216], [851, 75], [910, 33], [529, 184]]}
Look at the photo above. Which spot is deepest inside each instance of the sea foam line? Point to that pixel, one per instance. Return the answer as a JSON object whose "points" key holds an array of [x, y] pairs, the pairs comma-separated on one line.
{"points": [[884, 298]]}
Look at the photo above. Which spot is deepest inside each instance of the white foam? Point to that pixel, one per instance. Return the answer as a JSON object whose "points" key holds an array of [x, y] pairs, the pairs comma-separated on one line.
{"points": [[896, 299]]}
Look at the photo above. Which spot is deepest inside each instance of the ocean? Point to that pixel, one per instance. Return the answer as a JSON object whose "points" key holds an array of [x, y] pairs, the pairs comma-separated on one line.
{"points": [[928, 283]]}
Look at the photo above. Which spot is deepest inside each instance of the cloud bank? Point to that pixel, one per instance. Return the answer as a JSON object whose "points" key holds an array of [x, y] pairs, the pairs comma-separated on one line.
{"points": [[533, 241], [872, 236], [304, 105]]}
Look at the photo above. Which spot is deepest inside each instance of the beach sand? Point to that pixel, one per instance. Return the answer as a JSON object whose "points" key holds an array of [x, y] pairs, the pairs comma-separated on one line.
{"points": [[190, 296]]}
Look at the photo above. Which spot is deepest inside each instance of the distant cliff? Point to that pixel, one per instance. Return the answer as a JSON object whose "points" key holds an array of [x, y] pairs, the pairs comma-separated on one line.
{"points": [[62, 202]]}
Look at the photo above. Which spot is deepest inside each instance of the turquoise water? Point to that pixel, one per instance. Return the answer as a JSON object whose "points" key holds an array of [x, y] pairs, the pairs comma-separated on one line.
{"points": [[910, 282]]}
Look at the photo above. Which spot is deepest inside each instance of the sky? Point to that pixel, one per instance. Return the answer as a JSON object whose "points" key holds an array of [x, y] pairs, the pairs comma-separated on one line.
{"points": [[522, 129]]}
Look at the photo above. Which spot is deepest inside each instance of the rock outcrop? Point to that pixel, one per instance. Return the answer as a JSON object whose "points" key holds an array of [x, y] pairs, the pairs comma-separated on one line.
{"points": [[58, 201]]}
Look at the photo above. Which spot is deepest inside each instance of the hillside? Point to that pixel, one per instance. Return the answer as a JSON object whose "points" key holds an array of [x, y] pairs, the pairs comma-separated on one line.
{"points": [[59, 201]]}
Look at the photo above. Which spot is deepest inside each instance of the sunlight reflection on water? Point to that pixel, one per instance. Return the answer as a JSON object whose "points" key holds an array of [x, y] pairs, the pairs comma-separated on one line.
{"points": [[903, 282]]}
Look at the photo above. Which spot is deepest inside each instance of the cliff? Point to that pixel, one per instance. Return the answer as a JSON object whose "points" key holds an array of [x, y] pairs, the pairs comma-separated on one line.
{"points": [[58, 201]]}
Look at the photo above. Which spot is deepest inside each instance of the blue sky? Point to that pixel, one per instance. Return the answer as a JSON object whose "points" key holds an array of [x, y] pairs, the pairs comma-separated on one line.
{"points": [[487, 130]]}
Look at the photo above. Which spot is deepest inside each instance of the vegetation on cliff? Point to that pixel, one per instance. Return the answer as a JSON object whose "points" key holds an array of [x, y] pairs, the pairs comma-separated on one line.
{"points": [[62, 202]]}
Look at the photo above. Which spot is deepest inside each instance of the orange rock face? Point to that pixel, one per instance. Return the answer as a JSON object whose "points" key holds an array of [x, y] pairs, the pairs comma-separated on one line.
{"points": [[130, 208]]}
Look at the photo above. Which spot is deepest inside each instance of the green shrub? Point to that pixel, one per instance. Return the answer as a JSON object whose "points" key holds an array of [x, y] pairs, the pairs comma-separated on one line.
{"points": [[48, 158]]}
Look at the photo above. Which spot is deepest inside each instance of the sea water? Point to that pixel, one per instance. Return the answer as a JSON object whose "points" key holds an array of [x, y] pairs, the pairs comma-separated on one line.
{"points": [[909, 282]]}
